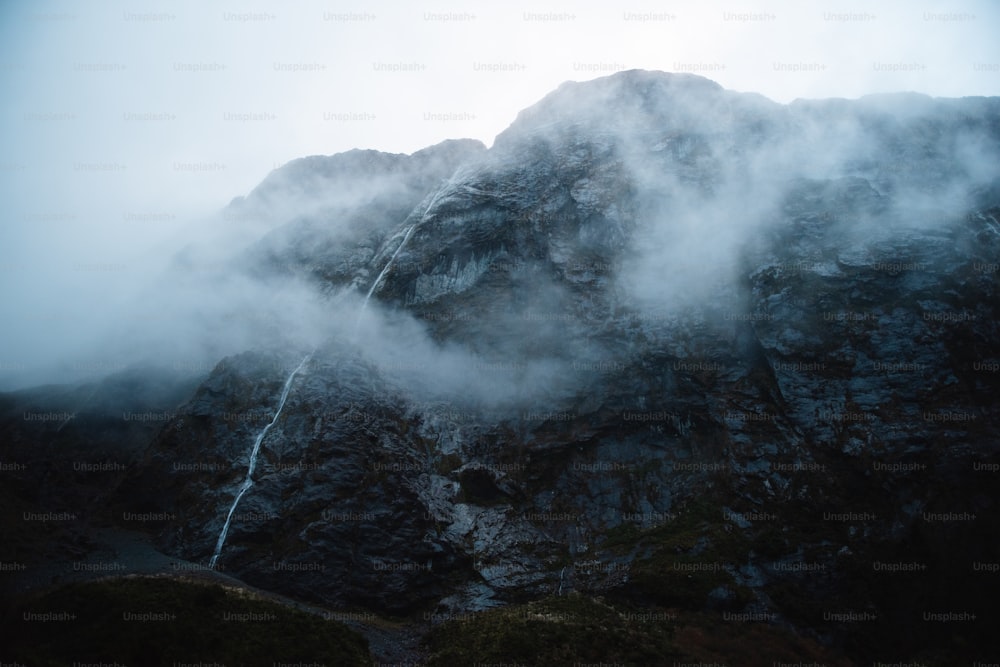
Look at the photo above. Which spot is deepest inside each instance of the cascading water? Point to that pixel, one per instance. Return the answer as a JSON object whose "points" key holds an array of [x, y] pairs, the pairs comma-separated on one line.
{"points": [[388, 265], [248, 482], [995, 227]]}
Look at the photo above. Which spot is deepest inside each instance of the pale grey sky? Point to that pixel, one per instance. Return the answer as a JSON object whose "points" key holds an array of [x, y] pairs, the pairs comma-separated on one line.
{"points": [[124, 123]]}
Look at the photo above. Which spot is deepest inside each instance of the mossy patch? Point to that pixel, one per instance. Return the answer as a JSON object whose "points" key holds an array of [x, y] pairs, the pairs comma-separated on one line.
{"points": [[576, 629], [690, 557], [553, 631], [160, 621]]}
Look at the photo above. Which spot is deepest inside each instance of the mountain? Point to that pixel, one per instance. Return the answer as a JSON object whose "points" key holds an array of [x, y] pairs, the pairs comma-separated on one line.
{"points": [[665, 351]]}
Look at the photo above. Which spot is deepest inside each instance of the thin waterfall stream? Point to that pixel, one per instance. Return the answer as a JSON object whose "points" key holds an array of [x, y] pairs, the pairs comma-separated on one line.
{"points": [[388, 265], [248, 481], [255, 450]]}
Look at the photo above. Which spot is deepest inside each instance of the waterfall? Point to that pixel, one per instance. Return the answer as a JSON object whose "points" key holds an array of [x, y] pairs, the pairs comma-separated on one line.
{"points": [[248, 482], [995, 227], [388, 265]]}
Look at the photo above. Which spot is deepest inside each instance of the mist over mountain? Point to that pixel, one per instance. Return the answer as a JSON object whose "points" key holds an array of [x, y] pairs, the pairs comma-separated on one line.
{"points": [[666, 349]]}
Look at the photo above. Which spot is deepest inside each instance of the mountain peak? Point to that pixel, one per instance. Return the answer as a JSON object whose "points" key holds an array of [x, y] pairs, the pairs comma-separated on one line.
{"points": [[643, 80], [630, 101]]}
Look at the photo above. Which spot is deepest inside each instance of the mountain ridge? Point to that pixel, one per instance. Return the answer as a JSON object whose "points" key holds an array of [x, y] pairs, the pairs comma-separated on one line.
{"points": [[638, 334]]}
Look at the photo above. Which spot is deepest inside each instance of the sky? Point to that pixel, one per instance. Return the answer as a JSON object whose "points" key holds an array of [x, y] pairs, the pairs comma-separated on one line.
{"points": [[127, 125]]}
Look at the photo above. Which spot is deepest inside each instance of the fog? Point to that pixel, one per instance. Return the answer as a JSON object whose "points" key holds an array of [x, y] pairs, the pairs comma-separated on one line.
{"points": [[129, 132]]}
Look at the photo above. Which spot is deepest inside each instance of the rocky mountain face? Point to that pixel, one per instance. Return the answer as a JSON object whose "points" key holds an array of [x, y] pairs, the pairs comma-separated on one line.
{"points": [[674, 346], [364, 194]]}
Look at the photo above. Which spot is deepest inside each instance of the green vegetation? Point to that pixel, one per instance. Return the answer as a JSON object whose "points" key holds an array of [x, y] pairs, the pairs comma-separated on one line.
{"points": [[577, 629], [553, 631], [159, 621], [691, 556]]}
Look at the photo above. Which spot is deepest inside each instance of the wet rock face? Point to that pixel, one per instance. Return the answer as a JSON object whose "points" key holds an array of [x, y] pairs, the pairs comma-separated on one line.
{"points": [[870, 342], [711, 295], [331, 514], [331, 214]]}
